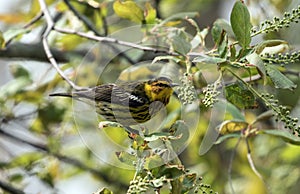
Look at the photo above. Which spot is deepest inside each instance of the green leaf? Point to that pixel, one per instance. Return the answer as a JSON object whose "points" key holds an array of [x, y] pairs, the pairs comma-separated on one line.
{"points": [[285, 135], [234, 111], [2, 41], [126, 158], [179, 41], [240, 22], [13, 33], [208, 59], [219, 26], [171, 171], [240, 96], [189, 182], [26, 160], [180, 129], [223, 45], [150, 14], [47, 115], [153, 162], [129, 10], [14, 86], [227, 136], [18, 71], [255, 60], [104, 191], [279, 79], [263, 116]]}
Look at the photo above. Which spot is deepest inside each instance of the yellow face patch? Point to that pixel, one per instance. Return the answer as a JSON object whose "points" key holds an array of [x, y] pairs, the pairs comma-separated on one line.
{"points": [[159, 91]]}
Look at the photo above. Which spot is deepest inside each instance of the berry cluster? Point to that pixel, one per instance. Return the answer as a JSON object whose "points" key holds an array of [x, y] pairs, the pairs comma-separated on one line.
{"points": [[186, 91], [282, 113], [138, 185], [210, 94], [282, 59], [277, 23], [203, 188]]}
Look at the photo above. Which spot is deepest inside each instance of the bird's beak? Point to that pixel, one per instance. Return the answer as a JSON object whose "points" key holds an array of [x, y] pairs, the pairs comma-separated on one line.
{"points": [[174, 85]]}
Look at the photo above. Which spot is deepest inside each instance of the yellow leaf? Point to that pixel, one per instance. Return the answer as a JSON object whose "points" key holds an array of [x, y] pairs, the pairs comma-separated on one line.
{"points": [[230, 126], [129, 10], [12, 18], [150, 13]]}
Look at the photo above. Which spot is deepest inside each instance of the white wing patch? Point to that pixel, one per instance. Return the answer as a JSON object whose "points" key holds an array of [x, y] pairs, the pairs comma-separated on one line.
{"points": [[135, 98]]}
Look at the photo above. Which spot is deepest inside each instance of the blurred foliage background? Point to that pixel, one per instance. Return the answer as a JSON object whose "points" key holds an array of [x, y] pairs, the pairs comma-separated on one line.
{"points": [[54, 145]]}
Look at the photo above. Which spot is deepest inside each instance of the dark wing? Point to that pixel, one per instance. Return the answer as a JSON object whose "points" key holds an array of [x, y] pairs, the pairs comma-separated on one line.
{"points": [[97, 93], [111, 93]]}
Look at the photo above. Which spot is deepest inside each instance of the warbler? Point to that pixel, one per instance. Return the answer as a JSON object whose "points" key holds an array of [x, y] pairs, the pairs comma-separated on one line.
{"points": [[127, 103]]}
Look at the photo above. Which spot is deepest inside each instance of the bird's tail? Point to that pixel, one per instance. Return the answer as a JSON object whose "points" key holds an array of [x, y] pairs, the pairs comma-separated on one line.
{"points": [[62, 94]]}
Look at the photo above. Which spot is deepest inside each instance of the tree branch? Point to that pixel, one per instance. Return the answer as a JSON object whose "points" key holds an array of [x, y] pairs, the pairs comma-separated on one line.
{"points": [[52, 60], [114, 41], [66, 159], [9, 188], [36, 52]]}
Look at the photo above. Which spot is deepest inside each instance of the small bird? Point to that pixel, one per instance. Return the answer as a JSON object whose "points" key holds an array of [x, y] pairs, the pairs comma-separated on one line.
{"points": [[127, 103]]}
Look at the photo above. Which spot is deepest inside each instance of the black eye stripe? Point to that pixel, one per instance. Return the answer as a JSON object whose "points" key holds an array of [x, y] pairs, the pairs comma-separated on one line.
{"points": [[162, 85]]}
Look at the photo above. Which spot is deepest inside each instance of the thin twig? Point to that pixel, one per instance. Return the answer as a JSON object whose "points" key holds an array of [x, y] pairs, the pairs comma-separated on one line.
{"points": [[91, 27], [87, 22], [50, 25], [230, 165], [34, 19], [251, 163], [114, 41]]}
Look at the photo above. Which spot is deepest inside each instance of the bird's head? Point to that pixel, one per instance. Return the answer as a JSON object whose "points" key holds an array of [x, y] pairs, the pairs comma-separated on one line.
{"points": [[160, 89]]}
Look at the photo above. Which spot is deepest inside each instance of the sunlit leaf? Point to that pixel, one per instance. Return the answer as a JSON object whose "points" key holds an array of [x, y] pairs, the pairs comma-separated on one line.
{"points": [[260, 48], [167, 57], [279, 80], [13, 18], [231, 126], [150, 14], [129, 10], [14, 33], [104, 191], [240, 22], [26, 159], [285, 135]]}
